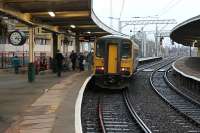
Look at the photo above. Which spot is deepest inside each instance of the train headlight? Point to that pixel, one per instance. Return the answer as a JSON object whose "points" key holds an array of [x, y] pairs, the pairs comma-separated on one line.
{"points": [[99, 69], [125, 70]]}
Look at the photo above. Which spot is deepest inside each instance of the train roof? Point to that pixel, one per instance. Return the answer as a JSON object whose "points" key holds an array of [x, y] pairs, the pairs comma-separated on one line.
{"points": [[119, 37], [114, 36]]}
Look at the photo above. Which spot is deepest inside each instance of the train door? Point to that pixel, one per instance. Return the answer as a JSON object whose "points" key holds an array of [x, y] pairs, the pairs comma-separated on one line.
{"points": [[112, 58]]}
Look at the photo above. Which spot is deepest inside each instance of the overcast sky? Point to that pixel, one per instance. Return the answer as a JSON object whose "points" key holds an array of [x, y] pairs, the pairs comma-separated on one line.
{"points": [[166, 9]]}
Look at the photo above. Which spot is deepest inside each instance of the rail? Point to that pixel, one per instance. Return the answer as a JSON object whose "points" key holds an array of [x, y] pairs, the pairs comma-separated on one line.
{"points": [[134, 114], [176, 100]]}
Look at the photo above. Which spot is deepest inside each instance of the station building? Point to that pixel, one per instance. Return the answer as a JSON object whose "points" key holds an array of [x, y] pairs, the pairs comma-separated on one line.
{"points": [[48, 26], [43, 44], [65, 25]]}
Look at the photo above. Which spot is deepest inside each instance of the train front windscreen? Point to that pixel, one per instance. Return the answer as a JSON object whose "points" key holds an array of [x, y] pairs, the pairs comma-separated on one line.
{"points": [[100, 48], [125, 50]]}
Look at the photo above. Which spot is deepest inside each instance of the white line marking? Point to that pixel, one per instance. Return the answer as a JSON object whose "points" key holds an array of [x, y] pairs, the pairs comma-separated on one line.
{"points": [[185, 75], [148, 58], [78, 124]]}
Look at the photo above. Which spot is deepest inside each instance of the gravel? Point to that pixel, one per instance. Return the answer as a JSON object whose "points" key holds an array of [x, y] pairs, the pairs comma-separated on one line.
{"points": [[116, 116], [190, 91], [158, 116], [89, 113]]}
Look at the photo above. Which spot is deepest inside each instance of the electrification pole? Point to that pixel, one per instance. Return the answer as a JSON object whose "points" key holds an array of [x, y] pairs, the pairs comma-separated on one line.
{"points": [[156, 41], [111, 17], [143, 22]]}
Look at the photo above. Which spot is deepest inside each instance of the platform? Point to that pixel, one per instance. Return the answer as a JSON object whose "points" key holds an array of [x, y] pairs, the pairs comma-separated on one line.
{"points": [[188, 67], [148, 59], [45, 106]]}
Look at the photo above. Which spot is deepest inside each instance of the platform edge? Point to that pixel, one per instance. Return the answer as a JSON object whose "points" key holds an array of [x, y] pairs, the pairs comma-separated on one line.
{"points": [[78, 124], [183, 74]]}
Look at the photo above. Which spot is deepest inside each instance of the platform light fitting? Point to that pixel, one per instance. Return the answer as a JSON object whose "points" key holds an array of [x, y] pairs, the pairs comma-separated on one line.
{"points": [[52, 14], [89, 32], [73, 26]]}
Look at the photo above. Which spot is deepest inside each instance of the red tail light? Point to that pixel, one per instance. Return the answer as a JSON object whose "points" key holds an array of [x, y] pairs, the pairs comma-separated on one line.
{"points": [[99, 69]]}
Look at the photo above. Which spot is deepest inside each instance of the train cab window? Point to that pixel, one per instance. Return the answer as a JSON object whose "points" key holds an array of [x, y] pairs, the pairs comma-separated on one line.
{"points": [[125, 50], [100, 48]]}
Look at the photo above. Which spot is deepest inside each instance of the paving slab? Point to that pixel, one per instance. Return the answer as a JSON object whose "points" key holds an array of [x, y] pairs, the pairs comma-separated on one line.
{"points": [[16, 94], [54, 110]]}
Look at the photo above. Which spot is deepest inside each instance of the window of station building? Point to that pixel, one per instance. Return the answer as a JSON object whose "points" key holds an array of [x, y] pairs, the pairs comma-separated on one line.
{"points": [[44, 42], [125, 49], [39, 41], [100, 48]]}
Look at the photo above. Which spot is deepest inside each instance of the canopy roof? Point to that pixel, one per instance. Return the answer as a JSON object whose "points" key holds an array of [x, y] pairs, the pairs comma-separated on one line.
{"points": [[188, 32], [67, 12]]}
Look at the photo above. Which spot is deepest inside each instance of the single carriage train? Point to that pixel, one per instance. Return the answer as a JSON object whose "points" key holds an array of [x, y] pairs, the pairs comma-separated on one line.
{"points": [[115, 60]]}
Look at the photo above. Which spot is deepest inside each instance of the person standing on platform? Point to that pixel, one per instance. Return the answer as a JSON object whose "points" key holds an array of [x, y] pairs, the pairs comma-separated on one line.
{"points": [[90, 60], [50, 63], [59, 60], [73, 57], [80, 59], [16, 64]]}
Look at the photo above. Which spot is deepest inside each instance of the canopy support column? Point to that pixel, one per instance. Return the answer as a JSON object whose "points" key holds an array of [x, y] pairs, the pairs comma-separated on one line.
{"points": [[198, 53], [77, 44], [31, 66], [55, 48]]}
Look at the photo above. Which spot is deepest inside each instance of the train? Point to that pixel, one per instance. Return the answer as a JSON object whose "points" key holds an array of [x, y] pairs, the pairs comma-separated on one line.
{"points": [[115, 61]]}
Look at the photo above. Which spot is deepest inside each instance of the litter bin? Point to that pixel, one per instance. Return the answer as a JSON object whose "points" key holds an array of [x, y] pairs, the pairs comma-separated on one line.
{"points": [[31, 72]]}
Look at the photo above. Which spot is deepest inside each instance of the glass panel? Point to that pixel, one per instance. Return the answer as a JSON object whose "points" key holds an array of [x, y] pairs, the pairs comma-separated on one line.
{"points": [[125, 50], [100, 49]]}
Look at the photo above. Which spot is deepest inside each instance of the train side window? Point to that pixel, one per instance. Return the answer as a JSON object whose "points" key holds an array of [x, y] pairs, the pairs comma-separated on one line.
{"points": [[126, 50], [100, 47]]}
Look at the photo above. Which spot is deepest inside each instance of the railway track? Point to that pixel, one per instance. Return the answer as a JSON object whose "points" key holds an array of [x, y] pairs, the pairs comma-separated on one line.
{"points": [[105, 117], [145, 66], [176, 82], [155, 113], [89, 112], [100, 115], [186, 105], [182, 103], [117, 117]]}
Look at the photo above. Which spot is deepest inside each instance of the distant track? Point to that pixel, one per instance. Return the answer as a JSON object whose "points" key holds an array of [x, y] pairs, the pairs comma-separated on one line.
{"points": [[185, 104], [167, 119], [180, 102]]}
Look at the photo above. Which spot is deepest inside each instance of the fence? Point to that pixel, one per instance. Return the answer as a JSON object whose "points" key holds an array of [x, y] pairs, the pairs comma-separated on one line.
{"points": [[6, 58]]}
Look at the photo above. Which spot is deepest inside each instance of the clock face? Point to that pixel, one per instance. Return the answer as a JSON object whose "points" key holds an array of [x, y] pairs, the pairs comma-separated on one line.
{"points": [[17, 38]]}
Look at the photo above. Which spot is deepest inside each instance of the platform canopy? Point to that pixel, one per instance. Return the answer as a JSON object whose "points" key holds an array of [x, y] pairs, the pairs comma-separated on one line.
{"points": [[74, 15], [188, 32]]}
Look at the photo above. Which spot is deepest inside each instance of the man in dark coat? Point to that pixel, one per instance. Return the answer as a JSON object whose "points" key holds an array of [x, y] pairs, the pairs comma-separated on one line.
{"points": [[73, 57], [59, 60], [80, 59]]}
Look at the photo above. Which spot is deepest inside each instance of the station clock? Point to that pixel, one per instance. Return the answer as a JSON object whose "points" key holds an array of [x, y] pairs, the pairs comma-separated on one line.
{"points": [[17, 38]]}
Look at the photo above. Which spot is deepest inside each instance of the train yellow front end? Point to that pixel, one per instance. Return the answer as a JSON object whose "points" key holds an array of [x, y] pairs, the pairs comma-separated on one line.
{"points": [[115, 60]]}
